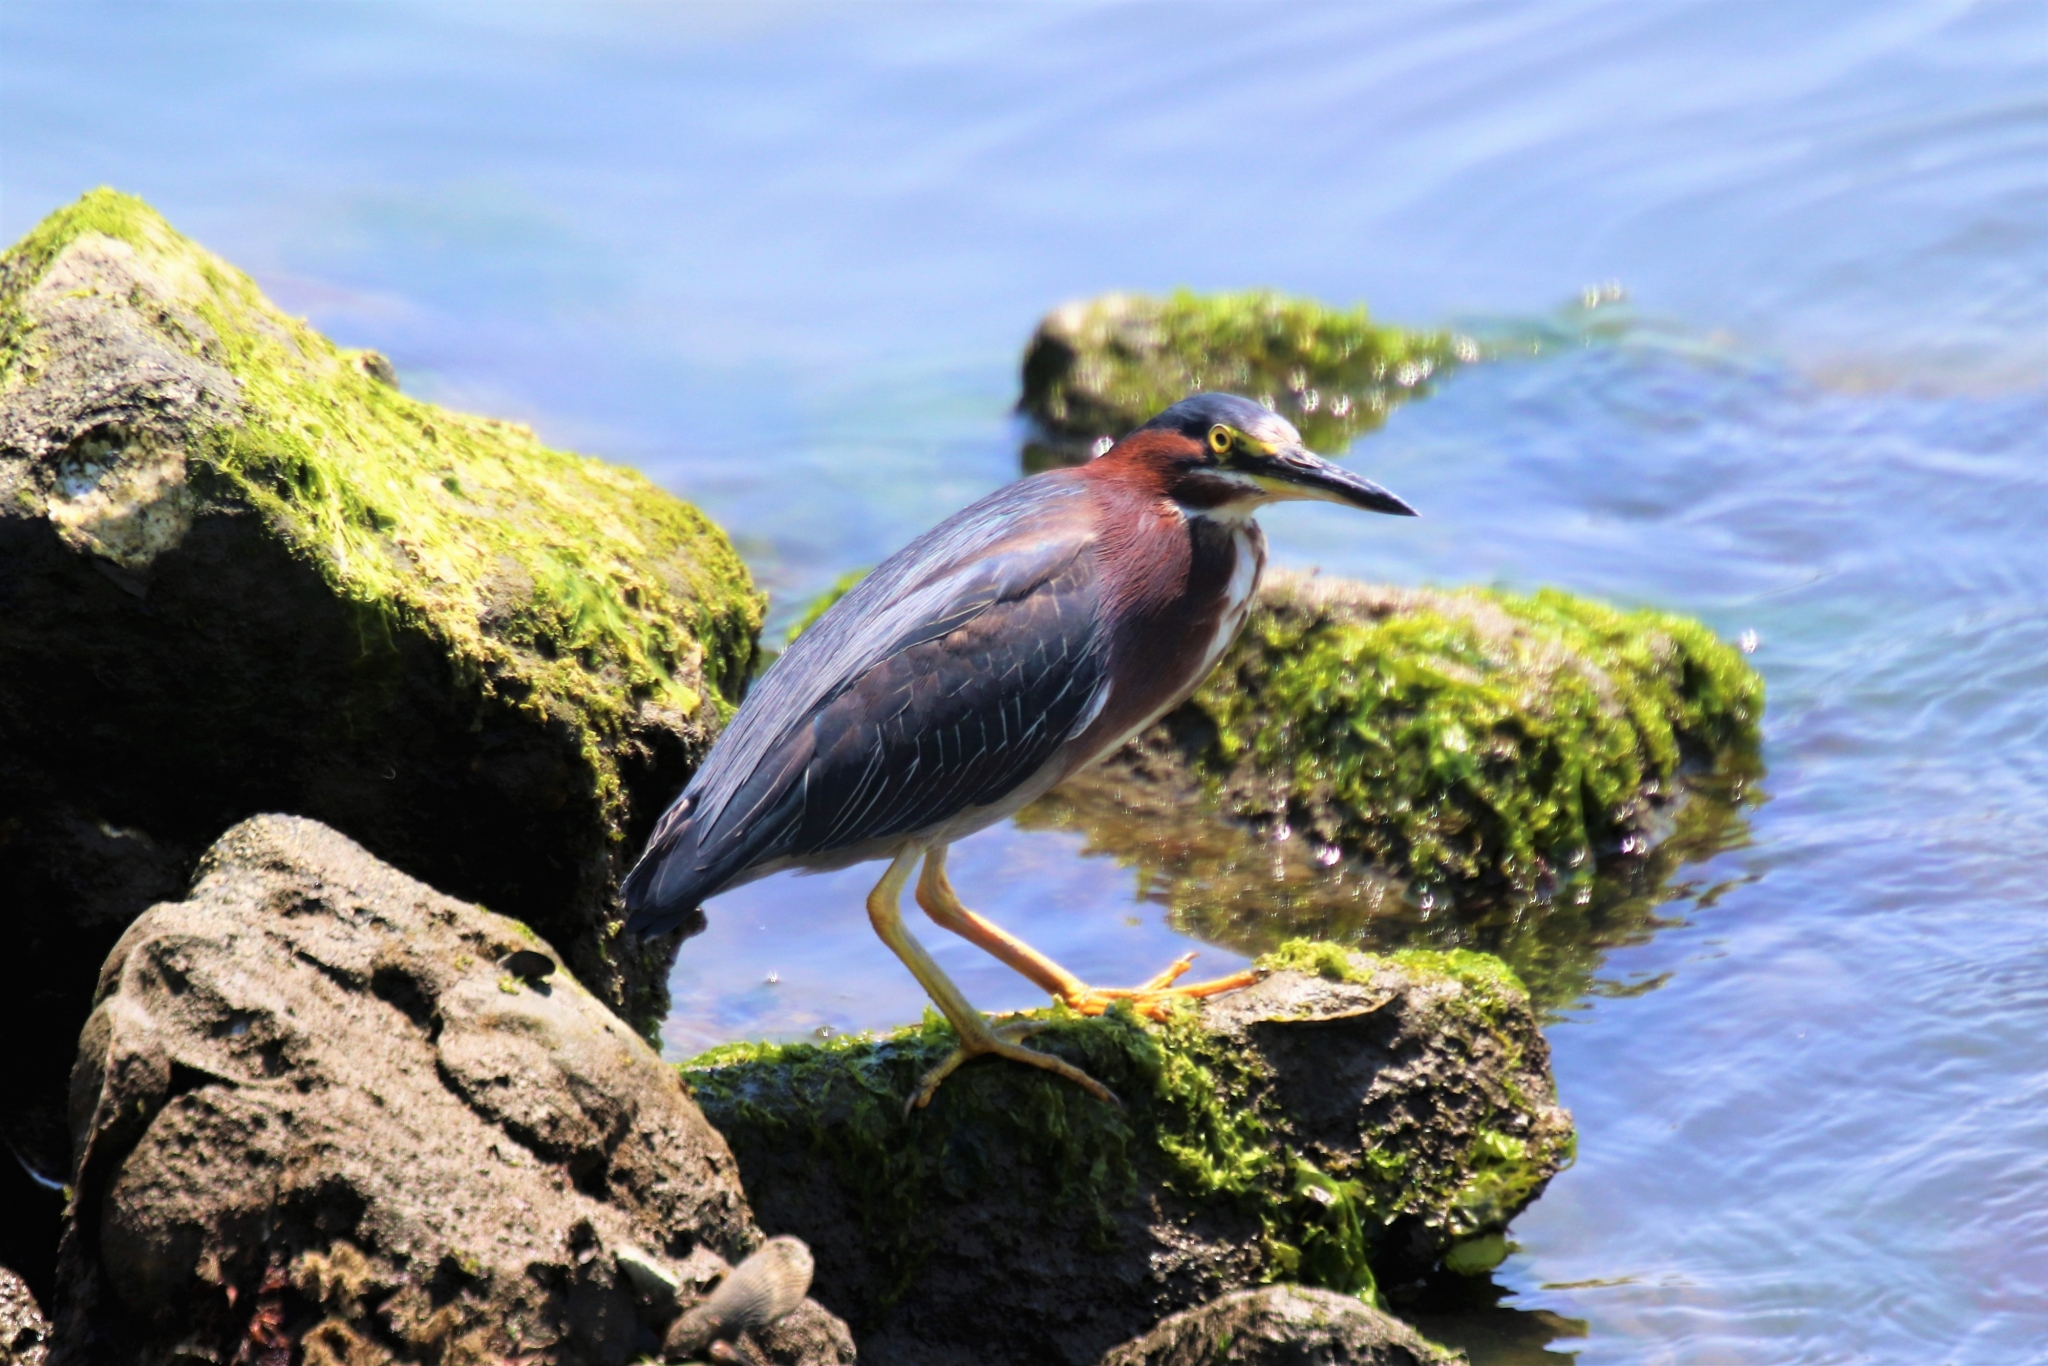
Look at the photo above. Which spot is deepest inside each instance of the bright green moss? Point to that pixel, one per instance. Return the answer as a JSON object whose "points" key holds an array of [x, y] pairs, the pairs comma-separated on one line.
{"points": [[1102, 367], [1318, 958], [1472, 737], [1481, 973], [1502, 1177], [569, 588], [1477, 1256]]}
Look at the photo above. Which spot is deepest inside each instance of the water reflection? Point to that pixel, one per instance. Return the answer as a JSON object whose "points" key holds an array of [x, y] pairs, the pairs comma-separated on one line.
{"points": [[1226, 885], [1474, 1315]]}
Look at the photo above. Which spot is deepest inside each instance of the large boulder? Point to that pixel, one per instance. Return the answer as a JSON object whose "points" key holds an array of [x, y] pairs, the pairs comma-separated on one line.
{"points": [[1097, 368], [1347, 1120], [1385, 766], [1282, 1325], [325, 1113], [240, 571]]}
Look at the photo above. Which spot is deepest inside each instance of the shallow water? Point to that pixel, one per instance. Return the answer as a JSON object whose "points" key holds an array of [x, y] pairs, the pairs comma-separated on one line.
{"points": [[786, 263]]}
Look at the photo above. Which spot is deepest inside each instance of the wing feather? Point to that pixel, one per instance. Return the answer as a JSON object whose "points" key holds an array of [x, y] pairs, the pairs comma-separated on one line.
{"points": [[942, 682]]}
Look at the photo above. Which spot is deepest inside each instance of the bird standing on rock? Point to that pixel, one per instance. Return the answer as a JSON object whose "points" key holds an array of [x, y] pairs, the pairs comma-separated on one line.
{"points": [[1021, 639]]}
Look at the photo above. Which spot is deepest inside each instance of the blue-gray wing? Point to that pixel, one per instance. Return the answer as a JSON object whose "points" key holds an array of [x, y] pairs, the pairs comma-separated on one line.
{"points": [[942, 682]]}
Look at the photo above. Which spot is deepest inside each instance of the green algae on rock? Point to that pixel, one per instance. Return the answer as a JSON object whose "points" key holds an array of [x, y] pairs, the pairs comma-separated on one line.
{"points": [[1364, 755], [1098, 368], [1343, 1123], [241, 571]]}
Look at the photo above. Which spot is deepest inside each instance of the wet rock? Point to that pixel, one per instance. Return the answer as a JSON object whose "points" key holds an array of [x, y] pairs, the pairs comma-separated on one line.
{"points": [[1097, 368], [1282, 1325], [1348, 1119], [1366, 758], [316, 1118], [241, 571], [24, 1335]]}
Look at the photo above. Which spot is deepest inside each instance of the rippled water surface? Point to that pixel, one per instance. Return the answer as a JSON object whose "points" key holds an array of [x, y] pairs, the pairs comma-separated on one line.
{"points": [[784, 259]]}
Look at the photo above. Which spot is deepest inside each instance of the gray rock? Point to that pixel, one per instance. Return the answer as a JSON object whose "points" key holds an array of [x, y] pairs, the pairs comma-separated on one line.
{"points": [[24, 1335], [1282, 1325], [1348, 1117], [313, 1112]]}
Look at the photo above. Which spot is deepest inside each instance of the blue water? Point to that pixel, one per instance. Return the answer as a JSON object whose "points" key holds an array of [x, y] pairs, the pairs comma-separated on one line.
{"points": [[784, 258]]}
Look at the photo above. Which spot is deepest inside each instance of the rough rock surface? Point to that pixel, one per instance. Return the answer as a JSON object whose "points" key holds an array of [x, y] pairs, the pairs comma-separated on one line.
{"points": [[1365, 750], [24, 1336], [1346, 1117], [317, 1120], [241, 572], [1099, 367], [1282, 1325]]}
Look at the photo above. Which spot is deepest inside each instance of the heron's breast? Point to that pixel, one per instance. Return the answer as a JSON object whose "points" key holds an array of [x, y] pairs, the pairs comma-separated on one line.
{"points": [[1169, 633], [1248, 561]]}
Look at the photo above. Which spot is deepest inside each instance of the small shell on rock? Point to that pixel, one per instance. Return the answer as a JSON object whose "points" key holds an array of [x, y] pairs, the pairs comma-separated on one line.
{"points": [[650, 1277], [754, 1294]]}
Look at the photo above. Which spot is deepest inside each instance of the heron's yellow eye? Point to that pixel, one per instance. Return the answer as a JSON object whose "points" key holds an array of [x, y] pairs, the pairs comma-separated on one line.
{"points": [[1219, 438]]}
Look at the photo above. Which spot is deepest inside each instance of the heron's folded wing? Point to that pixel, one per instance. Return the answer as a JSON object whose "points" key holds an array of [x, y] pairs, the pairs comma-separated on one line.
{"points": [[946, 676], [958, 715]]}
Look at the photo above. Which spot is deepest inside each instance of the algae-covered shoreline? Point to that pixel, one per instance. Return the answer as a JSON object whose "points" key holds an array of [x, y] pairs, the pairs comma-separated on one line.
{"points": [[253, 574]]}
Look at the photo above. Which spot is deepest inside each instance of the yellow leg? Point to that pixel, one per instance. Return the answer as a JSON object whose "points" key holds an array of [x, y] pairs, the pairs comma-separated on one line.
{"points": [[977, 1036], [935, 893]]}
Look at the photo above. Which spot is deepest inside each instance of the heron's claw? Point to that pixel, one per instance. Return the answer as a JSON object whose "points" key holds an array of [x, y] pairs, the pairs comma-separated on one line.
{"points": [[1001, 1040], [1155, 999]]}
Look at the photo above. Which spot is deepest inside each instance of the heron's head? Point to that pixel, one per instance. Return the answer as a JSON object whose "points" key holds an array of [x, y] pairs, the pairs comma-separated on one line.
{"points": [[1219, 451]]}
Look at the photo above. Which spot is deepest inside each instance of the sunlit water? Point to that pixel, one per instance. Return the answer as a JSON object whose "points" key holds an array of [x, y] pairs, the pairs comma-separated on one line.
{"points": [[785, 263]]}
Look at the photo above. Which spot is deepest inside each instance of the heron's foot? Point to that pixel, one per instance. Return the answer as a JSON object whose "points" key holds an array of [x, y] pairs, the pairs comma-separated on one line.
{"points": [[1156, 999], [1002, 1040]]}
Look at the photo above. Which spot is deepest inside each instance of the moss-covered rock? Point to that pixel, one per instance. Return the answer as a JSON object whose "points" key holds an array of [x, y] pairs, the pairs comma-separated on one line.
{"points": [[1349, 1120], [1365, 758], [1282, 1325], [1098, 368], [241, 571]]}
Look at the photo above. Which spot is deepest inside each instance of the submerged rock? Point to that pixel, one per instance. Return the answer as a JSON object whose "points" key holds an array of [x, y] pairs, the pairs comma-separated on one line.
{"points": [[1282, 1325], [1098, 368], [1347, 1118], [316, 1116], [240, 571], [1365, 756]]}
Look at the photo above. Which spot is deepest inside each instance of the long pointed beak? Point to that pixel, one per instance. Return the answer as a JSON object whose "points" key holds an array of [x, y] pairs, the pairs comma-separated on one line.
{"points": [[1297, 472]]}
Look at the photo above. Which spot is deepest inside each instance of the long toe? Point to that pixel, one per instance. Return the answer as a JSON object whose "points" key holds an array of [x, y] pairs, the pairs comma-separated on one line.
{"points": [[1003, 1044], [1156, 999]]}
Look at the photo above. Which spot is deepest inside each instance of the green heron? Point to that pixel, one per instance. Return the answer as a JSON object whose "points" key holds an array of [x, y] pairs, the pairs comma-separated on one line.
{"points": [[1019, 640]]}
